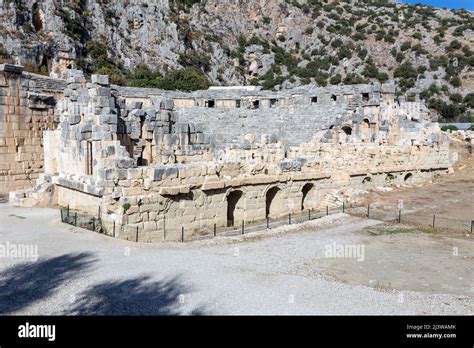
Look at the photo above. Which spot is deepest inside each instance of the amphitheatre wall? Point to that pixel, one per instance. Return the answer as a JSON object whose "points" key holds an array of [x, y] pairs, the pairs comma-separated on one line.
{"points": [[151, 161]]}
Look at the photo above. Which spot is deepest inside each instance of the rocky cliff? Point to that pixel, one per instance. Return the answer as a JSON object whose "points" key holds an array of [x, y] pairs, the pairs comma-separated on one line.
{"points": [[273, 43]]}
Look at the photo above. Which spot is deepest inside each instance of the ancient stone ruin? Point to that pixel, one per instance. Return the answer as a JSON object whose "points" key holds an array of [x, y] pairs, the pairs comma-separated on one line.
{"points": [[147, 160]]}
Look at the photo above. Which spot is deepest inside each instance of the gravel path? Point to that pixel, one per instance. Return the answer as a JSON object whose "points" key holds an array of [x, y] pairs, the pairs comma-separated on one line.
{"points": [[81, 272]]}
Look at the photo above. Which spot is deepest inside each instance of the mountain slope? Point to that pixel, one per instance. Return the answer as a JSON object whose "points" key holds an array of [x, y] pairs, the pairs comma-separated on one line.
{"points": [[273, 43]]}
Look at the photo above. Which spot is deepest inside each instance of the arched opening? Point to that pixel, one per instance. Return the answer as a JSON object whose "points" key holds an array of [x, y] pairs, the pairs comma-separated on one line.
{"points": [[234, 210], [365, 132], [38, 18], [390, 177], [270, 201], [43, 67], [347, 130], [305, 199], [367, 180], [408, 178]]}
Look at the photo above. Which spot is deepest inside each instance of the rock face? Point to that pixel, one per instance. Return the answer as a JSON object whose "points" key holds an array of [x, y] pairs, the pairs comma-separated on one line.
{"points": [[237, 42]]}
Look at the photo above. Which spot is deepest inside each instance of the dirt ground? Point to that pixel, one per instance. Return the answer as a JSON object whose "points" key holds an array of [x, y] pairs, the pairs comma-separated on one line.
{"points": [[412, 255]]}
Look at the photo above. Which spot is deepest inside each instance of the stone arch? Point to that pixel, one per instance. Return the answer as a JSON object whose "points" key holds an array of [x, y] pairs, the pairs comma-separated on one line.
{"points": [[367, 180], [235, 206], [390, 177], [306, 195], [347, 130], [408, 178], [365, 131], [273, 204]]}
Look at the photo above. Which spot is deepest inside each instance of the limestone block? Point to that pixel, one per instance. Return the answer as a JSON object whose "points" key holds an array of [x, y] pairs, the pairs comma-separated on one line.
{"points": [[156, 174], [100, 79], [173, 191], [171, 172], [213, 185], [74, 119], [134, 173], [167, 104]]}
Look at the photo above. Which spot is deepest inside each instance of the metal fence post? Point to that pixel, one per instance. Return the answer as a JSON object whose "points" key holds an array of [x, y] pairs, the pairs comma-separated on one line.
{"points": [[289, 219], [242, 226], [343, 207], [368, 211], [75, 219], [136, 237], [68, 210], [114, 229], [61, 211], [268, 223], [93, 224], [164, 227], [182, 233], [309, 214], [434, 219], [215, 230], [399, 215], [472, 225], [327, 210]]}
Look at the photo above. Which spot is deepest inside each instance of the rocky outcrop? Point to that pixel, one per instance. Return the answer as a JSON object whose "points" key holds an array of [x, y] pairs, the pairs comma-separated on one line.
{"points": [[275, 43]]}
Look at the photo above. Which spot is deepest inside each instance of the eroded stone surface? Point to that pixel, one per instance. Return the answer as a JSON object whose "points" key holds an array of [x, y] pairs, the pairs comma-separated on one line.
{"points": [[156, 161]]}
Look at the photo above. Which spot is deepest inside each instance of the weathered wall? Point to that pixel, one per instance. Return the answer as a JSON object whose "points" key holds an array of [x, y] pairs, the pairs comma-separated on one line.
{"points": [[152, 174], [26, 109], [291, 117]]}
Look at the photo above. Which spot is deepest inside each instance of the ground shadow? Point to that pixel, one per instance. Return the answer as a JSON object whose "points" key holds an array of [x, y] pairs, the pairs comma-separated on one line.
{"points": [[136, 296], [24, 284]]}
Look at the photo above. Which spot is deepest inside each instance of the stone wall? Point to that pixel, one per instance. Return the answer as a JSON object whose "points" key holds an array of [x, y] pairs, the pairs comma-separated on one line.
{"points": [[27, 104], [291, 117], [153, 167]]}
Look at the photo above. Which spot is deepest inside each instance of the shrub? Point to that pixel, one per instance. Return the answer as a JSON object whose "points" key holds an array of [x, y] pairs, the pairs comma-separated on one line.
{"points": [[454, 45], [189, 79], [344, 52], [450, 127], [405, 46], [406, 70], [455, 81], [125, 207], [362, 53], [456, 97], [336, 79], [469, 100], [142, 76]]}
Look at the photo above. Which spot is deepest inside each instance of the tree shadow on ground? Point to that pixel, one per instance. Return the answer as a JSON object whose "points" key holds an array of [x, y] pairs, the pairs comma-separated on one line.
{"points": [[24, 284], [136, 296]]}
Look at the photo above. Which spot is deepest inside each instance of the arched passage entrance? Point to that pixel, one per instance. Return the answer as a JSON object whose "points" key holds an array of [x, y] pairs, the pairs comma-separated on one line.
{"points": [[408, 178], [272, 201], [235, 209], [347, 130], [306, 198]]}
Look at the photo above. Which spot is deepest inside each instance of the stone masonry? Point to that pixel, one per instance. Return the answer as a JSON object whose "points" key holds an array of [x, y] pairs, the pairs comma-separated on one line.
{"points": [[153, 161], [27, 104]]}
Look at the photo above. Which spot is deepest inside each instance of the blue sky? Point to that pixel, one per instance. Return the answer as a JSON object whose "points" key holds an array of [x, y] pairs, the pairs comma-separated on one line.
{"points": [[452, 4]]}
